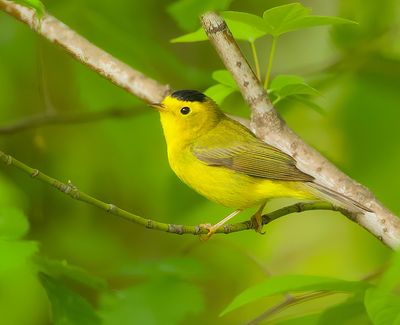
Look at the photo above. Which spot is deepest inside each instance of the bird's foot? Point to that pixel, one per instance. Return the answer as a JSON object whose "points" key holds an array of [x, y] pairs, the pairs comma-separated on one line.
{"points": [[211, 231], [257, 222]]}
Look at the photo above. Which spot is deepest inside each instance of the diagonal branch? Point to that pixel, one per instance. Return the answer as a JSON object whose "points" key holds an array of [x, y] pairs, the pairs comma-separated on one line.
{"points": [[44, 119], [269, 126], [73, 192], [81, 49]]}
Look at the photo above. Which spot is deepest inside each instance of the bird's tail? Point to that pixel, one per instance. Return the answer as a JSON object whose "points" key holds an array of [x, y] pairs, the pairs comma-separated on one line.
{"points": [[336, 198]]}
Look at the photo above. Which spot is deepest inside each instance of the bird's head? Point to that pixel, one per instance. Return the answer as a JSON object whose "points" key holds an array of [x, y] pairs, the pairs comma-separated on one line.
{"points": [[188, 114]]}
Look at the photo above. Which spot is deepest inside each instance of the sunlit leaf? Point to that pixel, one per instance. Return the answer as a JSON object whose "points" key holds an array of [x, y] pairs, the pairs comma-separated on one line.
{"points": [[382, 307], [34, 4], [13, 223], [61, 269], [67, 307], [277, 18], [186, 12], [219, 92], [244, 26], [224, 77], [293, 283], [240, 30], [197, 36], [294, 16], [163, 300]]}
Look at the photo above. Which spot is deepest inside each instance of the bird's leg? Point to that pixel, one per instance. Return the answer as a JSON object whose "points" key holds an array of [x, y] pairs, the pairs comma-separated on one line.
{"points": [[213, 228], [256, 219]]}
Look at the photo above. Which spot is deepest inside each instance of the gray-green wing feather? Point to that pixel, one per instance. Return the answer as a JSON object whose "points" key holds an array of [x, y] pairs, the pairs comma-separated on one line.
{"points": [[241, 151]]}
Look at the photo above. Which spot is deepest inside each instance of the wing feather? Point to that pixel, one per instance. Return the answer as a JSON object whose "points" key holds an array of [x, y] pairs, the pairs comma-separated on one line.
{"points": [[246, 154]]}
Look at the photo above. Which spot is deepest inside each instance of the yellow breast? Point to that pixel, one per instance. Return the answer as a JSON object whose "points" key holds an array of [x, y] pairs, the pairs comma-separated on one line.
{"points": [[227, 187]]}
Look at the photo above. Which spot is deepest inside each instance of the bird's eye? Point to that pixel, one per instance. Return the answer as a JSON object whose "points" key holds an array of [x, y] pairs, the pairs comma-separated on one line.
{"points": [[185, 110]]}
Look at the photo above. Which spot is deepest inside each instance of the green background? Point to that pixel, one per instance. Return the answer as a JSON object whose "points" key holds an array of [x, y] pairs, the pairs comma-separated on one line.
{"points": [[160, 278]]}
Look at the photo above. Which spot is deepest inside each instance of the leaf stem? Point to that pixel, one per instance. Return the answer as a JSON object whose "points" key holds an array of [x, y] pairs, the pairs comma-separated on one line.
{"points": [[255, 57], [270, 60]]}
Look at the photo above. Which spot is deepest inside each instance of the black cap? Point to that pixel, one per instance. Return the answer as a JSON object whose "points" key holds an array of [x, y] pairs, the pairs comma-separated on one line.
{"points": [[189, 96]]}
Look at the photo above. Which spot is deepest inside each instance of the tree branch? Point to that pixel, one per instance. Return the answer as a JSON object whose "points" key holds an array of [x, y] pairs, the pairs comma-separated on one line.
{"points": [[44, 119], [97, 59], [266, 123], [73, 192], [269, 126]]}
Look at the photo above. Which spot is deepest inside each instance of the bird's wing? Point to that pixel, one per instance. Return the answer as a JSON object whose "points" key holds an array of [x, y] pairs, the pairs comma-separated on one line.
{"points": [[241, 151]]}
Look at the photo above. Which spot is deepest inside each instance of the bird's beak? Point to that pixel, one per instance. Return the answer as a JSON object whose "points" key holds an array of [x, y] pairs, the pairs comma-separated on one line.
{"points": [[157, 106]]}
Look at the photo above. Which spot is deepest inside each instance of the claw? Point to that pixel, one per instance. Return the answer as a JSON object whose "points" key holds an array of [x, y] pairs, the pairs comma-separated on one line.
{"points": [[257, 220], [211, 231]]}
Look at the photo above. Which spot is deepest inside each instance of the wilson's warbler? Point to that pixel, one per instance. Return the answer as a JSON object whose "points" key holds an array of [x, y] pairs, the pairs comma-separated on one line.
{"points": [[223, 161]]}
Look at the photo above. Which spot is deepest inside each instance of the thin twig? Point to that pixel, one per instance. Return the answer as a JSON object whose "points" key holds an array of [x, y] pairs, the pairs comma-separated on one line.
{"points": [[73, 192], [267, 124], [40, 120]]}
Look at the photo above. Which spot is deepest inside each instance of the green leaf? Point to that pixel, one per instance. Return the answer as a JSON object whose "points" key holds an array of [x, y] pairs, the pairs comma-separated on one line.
{"points": [[289, 85], [382, 307], [293, 283], [15, 253], [308, 102], [197, 36], [283, 80], [186, 12], [294, 16], [225, 78], [164, 300], [302, 320], [244, 26], [219, 92], [240, 30], [63, 270], [351, 312], [225, 87], [13, 223], [67, 307], [276, 19], [313, 21], [34, 4]]}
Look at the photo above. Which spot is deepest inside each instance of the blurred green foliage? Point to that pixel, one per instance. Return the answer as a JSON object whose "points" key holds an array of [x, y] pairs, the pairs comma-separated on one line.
{"points": [[68, 263]]}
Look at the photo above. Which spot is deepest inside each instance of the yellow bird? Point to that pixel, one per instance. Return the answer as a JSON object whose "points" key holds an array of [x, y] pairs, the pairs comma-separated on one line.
{"points": [[223, 161]]}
